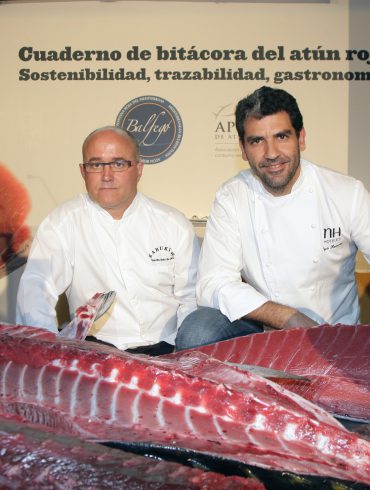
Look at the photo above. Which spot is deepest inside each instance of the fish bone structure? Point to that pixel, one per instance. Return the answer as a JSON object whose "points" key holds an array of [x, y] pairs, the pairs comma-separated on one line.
{"points": [[188, 400]]}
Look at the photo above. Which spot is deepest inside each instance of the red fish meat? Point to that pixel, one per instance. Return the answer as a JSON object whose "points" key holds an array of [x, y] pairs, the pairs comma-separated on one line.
{"points": [[335, 359], [187, 400], [85, 315], [39, 459]]}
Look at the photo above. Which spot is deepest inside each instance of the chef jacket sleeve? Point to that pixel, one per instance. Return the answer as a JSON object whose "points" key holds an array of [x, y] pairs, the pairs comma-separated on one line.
{"points": [[186, 265], [221, 261], [47, 274], [360, 219]]}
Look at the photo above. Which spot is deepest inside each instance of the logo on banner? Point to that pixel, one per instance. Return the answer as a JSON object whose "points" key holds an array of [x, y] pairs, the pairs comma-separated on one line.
{"points": [[156, 125], [224, 131]]}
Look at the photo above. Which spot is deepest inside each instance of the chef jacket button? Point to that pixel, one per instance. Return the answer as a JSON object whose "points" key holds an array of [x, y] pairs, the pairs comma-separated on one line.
{"points": [[276, 295], [315, 260], [312, 288], [310, 190], [313, 225], [268, 264]]}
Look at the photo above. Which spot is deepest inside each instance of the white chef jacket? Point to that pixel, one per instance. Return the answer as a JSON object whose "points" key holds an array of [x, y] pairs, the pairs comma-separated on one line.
{"points": [[298, 250], [149, 257]]}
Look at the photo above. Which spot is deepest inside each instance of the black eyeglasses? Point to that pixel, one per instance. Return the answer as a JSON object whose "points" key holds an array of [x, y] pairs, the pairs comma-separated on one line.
{"points": [[116, 166]]}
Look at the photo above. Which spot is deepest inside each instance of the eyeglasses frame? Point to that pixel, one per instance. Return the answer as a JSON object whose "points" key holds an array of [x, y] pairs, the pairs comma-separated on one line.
{"points": [[87, 165]]}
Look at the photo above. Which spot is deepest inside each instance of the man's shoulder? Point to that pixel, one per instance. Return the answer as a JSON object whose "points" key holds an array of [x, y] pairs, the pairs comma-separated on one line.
{"points": [[241, 180], [163, 212], [331, 178], [68, 209]]}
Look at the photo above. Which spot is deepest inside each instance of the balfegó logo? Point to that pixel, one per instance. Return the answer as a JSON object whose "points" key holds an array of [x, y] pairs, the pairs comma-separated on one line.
{"points": [[156, 125]]}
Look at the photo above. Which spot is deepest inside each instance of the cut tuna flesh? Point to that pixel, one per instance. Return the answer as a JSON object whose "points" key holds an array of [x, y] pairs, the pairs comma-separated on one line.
{"points": [[34, 458], [187, 400], [85, 315], [335, 359]]}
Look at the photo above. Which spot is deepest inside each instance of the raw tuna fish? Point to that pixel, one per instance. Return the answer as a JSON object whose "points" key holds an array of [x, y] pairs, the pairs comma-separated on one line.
{"points": [[85, 315], [187, 400], [34, 458], [335, 359]]}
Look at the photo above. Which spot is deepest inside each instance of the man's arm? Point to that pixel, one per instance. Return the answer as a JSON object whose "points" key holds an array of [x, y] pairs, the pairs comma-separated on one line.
{"points": [[221, 261], [360, 220], [186, 272], [280, 317], [47, 275]]}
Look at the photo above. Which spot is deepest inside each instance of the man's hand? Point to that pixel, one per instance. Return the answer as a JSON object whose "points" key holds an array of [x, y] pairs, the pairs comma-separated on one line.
{"points": [[280, 317]]}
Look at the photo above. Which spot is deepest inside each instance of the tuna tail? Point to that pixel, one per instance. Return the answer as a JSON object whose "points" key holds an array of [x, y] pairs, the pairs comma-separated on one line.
{"points": [[85, 316]]}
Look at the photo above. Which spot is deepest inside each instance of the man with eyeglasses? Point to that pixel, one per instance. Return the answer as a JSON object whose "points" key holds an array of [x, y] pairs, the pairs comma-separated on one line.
{"points": [[114, 238]]}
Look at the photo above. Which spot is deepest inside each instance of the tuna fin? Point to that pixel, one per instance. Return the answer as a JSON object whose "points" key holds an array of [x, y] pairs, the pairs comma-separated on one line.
{"points": [[85, 316]]}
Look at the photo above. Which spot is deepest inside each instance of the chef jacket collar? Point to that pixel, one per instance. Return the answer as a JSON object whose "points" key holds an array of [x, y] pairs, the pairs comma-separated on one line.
{"points": [[130, 210]]}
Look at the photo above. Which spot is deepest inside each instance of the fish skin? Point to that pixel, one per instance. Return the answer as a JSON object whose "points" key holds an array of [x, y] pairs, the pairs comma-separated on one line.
{"points": [[40, 459], [335, 358], [187, 399]]}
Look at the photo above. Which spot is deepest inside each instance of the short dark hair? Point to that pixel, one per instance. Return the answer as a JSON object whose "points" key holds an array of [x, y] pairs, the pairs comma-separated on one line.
{"points": [[266, 101]]}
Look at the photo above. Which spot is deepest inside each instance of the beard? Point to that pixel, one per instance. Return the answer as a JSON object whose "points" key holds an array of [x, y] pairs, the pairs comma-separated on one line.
{"points": [[278, 184]]}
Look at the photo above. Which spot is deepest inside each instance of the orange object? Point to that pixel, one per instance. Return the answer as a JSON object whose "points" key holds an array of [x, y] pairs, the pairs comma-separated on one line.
{"points": [[15, 205]]}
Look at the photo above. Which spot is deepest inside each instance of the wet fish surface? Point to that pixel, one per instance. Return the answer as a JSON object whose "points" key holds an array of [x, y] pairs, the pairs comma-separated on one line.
{"points": [[334, 358], [185, 400], [34, 458], [272, 479]]}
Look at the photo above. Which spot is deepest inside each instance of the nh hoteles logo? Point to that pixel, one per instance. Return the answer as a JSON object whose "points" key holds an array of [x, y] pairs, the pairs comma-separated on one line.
{"points": [[156, 125], [332, 238]]}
